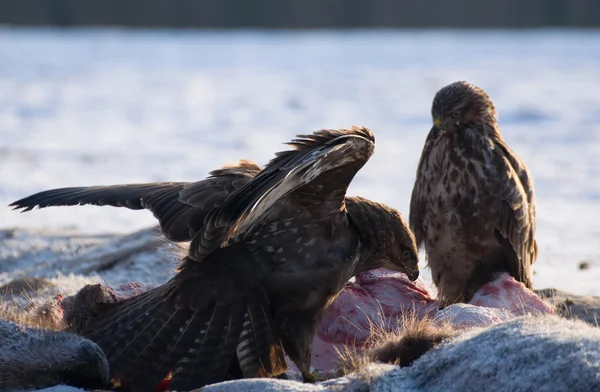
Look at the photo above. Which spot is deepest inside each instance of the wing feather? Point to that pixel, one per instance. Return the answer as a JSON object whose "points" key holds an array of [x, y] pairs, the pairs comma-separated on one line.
{"points": [[250, 205], [419, 197], [180, 207], [515, 224]]}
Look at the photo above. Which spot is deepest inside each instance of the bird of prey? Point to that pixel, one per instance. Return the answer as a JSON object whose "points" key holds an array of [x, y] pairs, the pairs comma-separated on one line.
{"points": [[472, 206], [270, 250]]}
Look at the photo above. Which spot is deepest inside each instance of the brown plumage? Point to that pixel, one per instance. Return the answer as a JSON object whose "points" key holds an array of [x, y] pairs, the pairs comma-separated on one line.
{"points": [[180, 207], [270, 249], [472, 205]]}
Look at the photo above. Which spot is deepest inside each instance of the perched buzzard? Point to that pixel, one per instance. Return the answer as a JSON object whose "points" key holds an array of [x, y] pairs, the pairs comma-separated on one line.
{"points": [[472, 204], [263, 264]]}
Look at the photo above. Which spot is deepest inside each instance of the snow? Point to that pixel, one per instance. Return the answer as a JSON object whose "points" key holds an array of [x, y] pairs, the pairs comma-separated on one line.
{"points": [[525, 354], [86, 107]]}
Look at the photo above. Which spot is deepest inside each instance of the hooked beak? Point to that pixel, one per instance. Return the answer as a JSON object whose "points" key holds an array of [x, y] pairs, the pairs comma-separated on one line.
{"points": [[411, 272], [438, 128]]}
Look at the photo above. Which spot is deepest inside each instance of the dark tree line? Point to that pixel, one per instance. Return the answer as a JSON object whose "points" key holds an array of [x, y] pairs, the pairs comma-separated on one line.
{"points": [[302, 13]]}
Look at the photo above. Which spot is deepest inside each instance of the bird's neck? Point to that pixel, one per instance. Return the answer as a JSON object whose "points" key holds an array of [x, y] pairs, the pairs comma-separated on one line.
{"points": [[366, 262]]}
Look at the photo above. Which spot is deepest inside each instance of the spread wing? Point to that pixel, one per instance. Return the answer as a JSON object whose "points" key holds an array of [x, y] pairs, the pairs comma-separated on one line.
{"points": [[418, 200], [180, 207], [313, 157], [515, 226], [200, 325]]}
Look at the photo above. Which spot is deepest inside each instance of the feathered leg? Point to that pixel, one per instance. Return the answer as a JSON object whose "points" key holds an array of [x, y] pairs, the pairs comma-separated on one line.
{"points": [[297, 335]]}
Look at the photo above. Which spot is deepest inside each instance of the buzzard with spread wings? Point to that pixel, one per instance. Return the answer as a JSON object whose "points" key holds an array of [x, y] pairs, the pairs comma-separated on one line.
{"points": [[270, 250]]}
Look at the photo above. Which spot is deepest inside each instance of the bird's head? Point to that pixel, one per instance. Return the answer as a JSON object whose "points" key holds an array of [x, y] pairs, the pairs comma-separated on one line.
{"points": [[462, 105], [386, 238]]}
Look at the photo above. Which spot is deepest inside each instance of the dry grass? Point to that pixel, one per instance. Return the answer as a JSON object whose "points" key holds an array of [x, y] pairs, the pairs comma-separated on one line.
{"points": [[572, 308], [402, 347], [34, 313]]}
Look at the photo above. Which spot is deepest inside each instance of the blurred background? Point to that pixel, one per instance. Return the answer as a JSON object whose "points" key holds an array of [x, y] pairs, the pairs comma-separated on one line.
{"points": [[302, 13], [98, 92]]}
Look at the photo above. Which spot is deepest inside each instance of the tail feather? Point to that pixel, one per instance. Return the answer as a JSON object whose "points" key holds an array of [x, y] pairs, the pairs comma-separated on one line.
{"points": [[159, 332], [133, 333], [152, 354], [207, 359], [117, 323], [175, 346], [230, 337], [151, 335], [259, 351]]}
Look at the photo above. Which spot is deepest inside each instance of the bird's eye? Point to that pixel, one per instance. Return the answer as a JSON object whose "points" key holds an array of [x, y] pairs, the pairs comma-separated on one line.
{"points": [[405, 253], [456, 114]]}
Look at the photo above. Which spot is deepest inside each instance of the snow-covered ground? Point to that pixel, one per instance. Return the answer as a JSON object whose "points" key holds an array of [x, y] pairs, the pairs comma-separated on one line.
{"points": [[80, 107]]}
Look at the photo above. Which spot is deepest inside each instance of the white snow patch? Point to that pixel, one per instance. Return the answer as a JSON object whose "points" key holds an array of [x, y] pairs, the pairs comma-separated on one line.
{"points": [[85, 107]]}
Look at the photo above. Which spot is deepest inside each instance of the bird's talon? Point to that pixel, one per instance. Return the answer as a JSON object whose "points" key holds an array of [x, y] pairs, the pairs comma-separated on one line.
{"points": [[310, 377]]}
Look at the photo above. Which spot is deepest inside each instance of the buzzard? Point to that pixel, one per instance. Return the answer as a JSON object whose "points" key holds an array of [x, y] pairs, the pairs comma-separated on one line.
{"points": [[270, 250], [472, 206]]}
